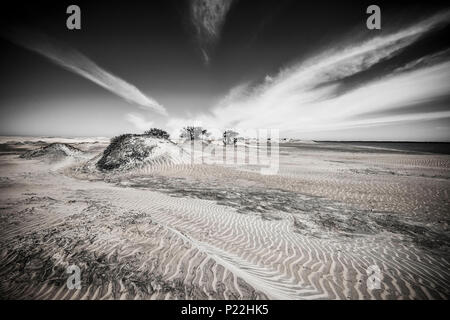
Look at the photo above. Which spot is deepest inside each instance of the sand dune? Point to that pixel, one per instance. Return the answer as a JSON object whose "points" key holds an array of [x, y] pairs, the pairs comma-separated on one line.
{"points": [[133, 152], [214, 232], [53, 151]]}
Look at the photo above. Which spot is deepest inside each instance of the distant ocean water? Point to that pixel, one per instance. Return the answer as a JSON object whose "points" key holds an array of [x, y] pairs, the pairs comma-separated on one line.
{"points": [[376, 146]]}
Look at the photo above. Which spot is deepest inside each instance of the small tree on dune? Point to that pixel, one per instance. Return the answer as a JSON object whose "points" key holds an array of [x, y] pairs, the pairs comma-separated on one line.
{"points": [[230, 137], [205, 133], [157, 133], [193, 133]]}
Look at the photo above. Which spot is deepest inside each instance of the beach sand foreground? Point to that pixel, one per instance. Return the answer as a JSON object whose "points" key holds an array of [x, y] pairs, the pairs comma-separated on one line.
{"points": [[316, 230]]}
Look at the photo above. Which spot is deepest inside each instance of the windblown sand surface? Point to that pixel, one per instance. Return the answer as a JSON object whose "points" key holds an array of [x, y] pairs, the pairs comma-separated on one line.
{"points": [[221, 232]]}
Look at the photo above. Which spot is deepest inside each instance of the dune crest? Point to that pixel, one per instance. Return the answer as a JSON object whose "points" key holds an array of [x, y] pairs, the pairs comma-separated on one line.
{"points": [[128, 152], [53, 150]]}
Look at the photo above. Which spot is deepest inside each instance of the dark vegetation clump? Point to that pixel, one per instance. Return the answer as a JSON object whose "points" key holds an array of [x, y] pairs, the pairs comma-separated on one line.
{"points": [[103, 163], [128, 149], [52, 151], [157, 133], [194, 133]]}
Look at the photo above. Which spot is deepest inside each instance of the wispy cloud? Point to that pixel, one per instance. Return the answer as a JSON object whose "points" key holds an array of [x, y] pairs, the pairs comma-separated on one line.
{"points": [[78, 63], [306, 97], [207, 18], [139, 121]]}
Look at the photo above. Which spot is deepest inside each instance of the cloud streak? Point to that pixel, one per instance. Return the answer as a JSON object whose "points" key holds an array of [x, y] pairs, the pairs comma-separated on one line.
{"points": [[207, 18], [308, 97], [74, 61]]}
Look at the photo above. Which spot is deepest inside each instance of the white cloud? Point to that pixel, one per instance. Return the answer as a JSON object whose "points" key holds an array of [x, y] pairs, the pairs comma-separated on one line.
{"points": [[207, 18], [139, 121], [304, 98], [78, 63]]}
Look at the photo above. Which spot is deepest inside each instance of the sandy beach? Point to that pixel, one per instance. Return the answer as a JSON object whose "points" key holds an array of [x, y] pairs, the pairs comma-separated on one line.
{"points": [[180, 231]]}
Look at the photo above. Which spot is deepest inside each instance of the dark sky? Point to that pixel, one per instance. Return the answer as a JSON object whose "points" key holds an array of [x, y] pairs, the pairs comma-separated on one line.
{"points": [[157, 47]]}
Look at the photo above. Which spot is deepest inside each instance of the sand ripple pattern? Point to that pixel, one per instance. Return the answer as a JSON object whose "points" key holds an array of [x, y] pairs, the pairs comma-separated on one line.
{"points": [[138, 244], [134, 243]]}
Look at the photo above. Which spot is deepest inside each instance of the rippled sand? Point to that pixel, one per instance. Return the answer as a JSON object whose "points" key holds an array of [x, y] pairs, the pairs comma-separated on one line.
{"points": [[215, 232]]}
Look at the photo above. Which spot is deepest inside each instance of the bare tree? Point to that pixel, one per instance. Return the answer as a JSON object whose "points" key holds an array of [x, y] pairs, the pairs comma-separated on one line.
{"points": [[205, 133], [230, 137], [193, 133]]}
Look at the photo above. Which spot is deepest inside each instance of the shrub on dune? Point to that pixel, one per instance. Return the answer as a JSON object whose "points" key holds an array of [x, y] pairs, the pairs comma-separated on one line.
{"points": [[133, 151], [157, 133]]}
